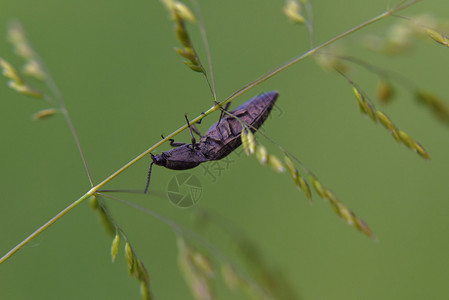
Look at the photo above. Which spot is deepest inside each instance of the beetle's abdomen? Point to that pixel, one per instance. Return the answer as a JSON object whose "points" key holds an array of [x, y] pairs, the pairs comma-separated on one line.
{"points": [[224, 137]]}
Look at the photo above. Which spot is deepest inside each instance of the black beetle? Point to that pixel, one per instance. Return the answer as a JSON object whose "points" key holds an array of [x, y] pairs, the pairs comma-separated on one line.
{"points": [[220, 140]]}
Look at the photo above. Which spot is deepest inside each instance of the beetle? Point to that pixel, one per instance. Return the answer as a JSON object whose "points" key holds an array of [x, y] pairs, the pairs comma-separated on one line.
{"points": [[220, 140]]}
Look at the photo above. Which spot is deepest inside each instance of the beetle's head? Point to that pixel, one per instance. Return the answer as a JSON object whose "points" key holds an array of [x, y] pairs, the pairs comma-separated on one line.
{"points": [[159, 159]]}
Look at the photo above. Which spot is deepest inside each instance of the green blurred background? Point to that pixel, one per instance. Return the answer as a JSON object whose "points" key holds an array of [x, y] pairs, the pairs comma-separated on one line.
{"points": [[124, 86]]}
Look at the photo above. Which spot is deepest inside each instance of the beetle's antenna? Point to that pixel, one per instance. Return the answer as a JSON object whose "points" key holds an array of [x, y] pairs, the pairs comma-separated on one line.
{"points": [[149, 176]]}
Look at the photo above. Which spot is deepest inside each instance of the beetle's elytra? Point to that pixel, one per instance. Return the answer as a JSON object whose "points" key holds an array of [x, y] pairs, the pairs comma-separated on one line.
{"points": [[221, 139]]}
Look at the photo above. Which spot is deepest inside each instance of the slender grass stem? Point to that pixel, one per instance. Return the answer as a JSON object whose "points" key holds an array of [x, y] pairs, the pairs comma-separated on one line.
{"points": [[61, 102], [234, 95]]}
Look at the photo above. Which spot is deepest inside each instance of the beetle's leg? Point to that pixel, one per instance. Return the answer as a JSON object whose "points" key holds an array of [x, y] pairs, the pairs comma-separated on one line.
{"points": [[173, 143], [222, 112], [221, 116], [191, 133], [195, 130], [199, 122]]}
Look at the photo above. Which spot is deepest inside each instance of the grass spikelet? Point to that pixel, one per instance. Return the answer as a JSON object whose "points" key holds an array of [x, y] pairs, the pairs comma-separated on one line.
{"points": [[330, 60], [291, 167], [421, 151], [181, 32], [385, 91], [25, 90], [360, 99], [298, 179], [248, 141], [197, 280], [130, 259], [10, 72], [365, 106], [141, 272], [304, 187], [108, 224], [437, 37], [262, 154], [145, 291], [230, 277], [137, 269], [319, 188], [275, 163], [348, 216], [343, 212], [371, 111], [435, 103], [293, 11], [19, 41], [33, 68], [385, 120], [115, 246], [45, 113], [186, 53], [93, 201], [203, 264], [184, 12], [406, 139]]}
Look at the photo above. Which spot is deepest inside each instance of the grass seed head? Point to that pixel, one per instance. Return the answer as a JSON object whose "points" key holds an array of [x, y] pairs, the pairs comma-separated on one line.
{"points": [[45, 113]]}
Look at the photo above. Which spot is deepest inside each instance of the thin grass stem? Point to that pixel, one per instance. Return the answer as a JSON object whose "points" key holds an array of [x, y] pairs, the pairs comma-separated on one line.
{"points": [[63, 108], [207, 48]]}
